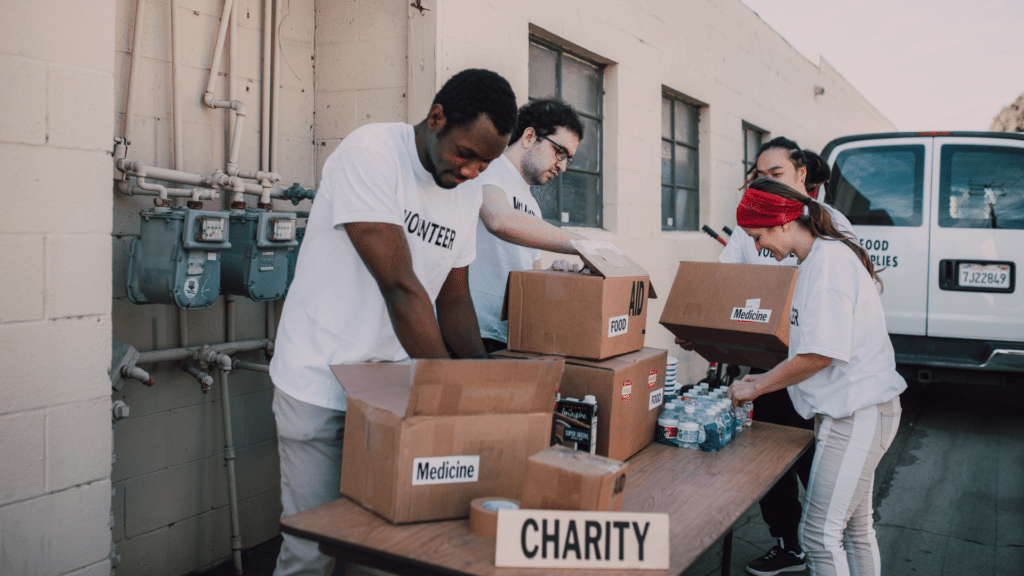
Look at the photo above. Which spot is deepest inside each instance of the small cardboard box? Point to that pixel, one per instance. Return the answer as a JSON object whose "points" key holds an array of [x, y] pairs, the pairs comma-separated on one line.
{"points": [[733, 313], [594, 316], [424, 438], [630, 391], [561, 478]]}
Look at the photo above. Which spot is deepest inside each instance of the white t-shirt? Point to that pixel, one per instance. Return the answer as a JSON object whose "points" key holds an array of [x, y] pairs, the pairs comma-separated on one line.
{"points": [[495, 258], [741, 248], [837, 313], [334, 312]]}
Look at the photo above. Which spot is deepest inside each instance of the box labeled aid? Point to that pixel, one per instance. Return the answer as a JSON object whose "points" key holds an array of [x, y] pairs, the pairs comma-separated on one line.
{"points": [[561, 478]]}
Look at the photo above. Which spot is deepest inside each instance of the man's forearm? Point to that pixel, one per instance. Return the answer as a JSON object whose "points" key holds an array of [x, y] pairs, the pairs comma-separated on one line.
{"points": [[412, 317], [459, 326]]}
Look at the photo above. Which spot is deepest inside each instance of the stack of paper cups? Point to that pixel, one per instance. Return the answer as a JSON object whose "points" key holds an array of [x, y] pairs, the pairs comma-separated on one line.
{"points": [[671, 386]]}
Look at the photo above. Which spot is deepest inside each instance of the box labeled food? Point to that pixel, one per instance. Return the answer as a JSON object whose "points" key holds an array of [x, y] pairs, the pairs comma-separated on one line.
{"points": [[561, 478], [629, 390], [733, 313], [595, 315], [424, 438]]}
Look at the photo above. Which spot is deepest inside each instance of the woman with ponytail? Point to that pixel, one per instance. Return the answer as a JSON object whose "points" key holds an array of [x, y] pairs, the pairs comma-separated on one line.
{"points": [[804, 171], [841, 371]]}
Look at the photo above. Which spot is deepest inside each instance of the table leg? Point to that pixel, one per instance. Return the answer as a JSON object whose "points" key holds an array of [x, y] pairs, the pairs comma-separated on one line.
{"points": [[727, 553]]}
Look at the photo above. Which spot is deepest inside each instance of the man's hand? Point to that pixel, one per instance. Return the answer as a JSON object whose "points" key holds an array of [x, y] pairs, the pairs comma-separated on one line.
{"points": [[685, 344], [743, 390]]}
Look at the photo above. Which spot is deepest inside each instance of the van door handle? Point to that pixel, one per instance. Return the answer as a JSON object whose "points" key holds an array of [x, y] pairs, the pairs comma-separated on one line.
{"points": [[947, 274]]}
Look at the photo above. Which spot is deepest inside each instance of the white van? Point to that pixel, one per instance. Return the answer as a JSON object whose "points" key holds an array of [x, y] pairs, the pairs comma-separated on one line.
{"points": [[943, 213]]}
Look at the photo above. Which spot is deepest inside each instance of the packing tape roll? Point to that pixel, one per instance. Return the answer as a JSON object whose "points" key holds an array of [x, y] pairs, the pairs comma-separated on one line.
{"points": [[483, 515]]}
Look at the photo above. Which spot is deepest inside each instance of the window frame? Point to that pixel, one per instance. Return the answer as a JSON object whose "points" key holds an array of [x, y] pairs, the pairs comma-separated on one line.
{"points": [[699, 107], [749, 162], [557, 183]]}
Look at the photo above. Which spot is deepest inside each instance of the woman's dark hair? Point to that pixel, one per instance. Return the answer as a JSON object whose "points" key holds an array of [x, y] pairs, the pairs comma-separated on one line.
{"points": [[545, 116], [796, 155], [817, 220], [818, 173], [473, 92]]}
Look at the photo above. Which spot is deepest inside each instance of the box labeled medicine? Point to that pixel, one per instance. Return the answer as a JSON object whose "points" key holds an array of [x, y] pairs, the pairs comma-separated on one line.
{"points": [[424, 438]]}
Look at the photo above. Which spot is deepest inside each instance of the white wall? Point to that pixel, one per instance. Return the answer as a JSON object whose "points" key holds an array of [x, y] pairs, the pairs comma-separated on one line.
{"points": [[344, 63], [55, 126]]}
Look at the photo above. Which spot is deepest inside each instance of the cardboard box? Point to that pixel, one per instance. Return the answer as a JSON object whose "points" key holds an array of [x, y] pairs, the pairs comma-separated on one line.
{"points": [[561, 478], [630, 391], [733, 313], [426, 437], [594, 316]]}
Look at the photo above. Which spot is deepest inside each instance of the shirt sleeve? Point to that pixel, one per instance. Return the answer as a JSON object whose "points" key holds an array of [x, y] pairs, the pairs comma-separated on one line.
{"points": [[733, 252], [362, 183], [826, 323], [469, 227]]}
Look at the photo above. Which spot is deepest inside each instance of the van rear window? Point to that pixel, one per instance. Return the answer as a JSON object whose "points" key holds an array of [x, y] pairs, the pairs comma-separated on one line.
{"points": [[880, 185], [981, 187]]}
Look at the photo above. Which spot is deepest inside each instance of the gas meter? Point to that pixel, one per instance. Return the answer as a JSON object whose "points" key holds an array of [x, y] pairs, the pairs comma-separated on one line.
{"points": [[176, 259], [256, 264]]}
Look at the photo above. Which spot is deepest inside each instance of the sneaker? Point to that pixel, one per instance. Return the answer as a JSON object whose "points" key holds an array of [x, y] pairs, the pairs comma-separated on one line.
{"points": [[776, 561]]}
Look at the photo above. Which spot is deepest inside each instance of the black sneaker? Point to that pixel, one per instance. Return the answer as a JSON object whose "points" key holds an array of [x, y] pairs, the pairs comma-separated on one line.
{"points": [[776, 561]]}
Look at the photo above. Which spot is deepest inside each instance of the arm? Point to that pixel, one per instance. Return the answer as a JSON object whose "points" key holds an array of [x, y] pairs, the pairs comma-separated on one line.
{"points": [[456, 315], [384, 250], [792, 371], [520, 228]]}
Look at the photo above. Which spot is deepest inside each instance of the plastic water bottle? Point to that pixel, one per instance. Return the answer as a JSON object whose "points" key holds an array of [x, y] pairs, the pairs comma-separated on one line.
{"points": [[591, 399], [689, 433], [728, 423]]}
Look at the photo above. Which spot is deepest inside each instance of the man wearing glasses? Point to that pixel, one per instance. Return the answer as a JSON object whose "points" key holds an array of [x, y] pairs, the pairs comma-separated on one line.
{"points": [[511, 232]]}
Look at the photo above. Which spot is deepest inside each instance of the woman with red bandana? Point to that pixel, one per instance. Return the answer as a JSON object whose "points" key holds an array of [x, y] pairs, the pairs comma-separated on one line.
{"points": [[841, 371]]}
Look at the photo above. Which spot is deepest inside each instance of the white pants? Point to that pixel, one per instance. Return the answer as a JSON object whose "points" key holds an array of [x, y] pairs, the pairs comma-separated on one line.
{"points": [[837, 530], [309, 442]]}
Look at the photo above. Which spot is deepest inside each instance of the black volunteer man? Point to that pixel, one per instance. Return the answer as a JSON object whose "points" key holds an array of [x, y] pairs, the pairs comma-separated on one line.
{"points": [[389, 237]]}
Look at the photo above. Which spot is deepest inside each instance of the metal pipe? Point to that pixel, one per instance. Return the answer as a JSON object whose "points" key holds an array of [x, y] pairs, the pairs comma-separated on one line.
{"points": [[217, 51], [192, 193], [204, 379], [265, 88], [179, 153], [133, 72], [138, 374], [229, 460], [230, 301], [240, 365], [275, 96], [161, 192], [216, 180], [176, 354]]}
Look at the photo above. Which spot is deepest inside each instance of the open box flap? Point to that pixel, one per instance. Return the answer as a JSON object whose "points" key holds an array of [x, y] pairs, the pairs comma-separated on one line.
{"points": [[605, 259], [466, 387], [385, 385]]}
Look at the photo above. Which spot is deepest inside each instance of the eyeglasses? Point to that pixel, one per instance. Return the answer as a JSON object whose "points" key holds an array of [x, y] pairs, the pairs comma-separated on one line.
{"points": [[561, 152]]}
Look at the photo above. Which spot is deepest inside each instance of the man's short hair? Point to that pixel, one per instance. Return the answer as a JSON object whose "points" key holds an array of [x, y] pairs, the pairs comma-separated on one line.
{"points": [[474, 91], [545, 116]]}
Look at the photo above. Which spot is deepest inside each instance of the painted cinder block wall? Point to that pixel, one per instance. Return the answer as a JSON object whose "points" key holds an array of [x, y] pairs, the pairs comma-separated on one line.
{"points": [[163, 502], [55, 322]]}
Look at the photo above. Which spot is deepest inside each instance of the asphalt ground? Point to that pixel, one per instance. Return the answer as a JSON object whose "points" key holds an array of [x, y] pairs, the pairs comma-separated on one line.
{"points": [[949, 493]]}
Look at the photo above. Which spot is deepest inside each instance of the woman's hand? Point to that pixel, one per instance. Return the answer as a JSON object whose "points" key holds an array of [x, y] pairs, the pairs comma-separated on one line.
{"points": [[743, 390]]}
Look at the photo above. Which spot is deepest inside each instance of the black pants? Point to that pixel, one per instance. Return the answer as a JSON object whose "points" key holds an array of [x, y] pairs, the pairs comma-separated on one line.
{"points": [[780, 506]]}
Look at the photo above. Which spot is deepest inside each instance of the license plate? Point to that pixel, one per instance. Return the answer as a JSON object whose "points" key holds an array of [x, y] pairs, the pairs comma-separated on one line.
{"points": [[984, 276]]}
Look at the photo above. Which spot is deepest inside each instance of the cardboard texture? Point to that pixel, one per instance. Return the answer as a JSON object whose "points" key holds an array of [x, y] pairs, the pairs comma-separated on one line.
{"points": [[595, 316], [561, 478], [733, 313], [424, 438], [630, 393]]}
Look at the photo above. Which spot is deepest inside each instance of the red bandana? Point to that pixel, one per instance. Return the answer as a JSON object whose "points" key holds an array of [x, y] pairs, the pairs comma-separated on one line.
{"points": [[760, 209]]}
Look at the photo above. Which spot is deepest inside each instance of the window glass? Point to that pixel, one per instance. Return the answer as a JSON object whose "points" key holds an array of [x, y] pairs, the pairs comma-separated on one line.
{"points": [[574, 197], [981, 187], [880, 185], [679, 167]]}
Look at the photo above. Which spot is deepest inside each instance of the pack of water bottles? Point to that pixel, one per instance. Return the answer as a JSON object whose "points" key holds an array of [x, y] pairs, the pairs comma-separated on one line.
{"points": [[703, 418]]}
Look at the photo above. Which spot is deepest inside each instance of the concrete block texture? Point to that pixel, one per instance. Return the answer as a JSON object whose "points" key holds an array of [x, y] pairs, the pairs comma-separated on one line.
{"points": [[56, 533], [23, 474], [79, 105], [50, 30], [54, 362], [23, 115], [378, 63], [168, 439], [22, 284], [171, 495], [77, 443], [77, 275]]}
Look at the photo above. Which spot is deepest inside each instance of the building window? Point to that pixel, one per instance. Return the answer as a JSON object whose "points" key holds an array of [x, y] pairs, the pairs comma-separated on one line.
{"points": [[680, 194], [752, 139], [574, 197]]}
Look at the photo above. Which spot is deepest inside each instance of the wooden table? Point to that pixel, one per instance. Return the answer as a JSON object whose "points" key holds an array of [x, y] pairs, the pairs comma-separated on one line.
{"points": [[704, 495]]}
